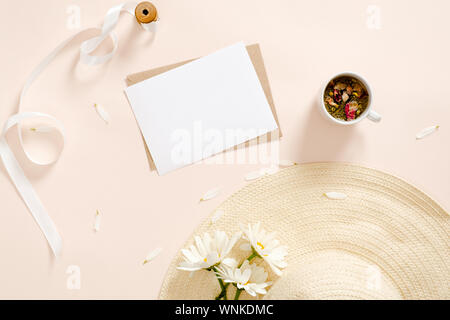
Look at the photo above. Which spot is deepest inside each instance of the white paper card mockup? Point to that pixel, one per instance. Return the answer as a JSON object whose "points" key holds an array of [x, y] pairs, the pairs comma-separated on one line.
{"points": [[201, 108]]}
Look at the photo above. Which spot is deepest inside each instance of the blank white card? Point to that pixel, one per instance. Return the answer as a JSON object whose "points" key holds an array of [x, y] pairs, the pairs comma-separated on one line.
{"points": [[201, 108]]}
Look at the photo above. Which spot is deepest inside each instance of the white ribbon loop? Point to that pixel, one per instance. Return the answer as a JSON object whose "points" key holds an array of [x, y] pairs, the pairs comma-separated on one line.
{"points": [[11, 164], [24, 187]]}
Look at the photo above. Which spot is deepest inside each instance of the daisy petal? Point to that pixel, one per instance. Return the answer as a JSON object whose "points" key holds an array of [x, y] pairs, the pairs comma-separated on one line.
{"points": [[187, 267], [276, 270], [210, 194], [426, 132], [97, 221], [270, 170], [217, 215], [287, 163], [188, 254], [152, 255], [230, 262], [250, 291], [252, 175], [102, 112], [335, 195], [42, 129]]}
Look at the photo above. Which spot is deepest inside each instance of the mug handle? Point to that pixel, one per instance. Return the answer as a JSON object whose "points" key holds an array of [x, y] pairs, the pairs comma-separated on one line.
{"points": [[374, 116]]}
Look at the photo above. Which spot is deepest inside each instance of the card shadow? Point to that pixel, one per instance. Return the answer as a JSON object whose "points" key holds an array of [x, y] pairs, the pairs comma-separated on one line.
{"points": [[322, 140]]}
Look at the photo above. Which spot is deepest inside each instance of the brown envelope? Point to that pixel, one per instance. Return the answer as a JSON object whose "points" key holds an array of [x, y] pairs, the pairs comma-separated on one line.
{"points": [[255, 55]]}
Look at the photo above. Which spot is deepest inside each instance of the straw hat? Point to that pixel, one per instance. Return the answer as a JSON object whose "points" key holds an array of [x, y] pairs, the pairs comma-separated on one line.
{"points": [[386, 240]]}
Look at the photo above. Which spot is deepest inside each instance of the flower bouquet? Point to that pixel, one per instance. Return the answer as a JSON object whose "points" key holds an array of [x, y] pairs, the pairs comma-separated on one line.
{"points": [[213, 255]]}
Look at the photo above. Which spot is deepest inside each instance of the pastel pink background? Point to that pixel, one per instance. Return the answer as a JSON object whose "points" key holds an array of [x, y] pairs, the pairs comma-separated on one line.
{"points": [[104, 167]]}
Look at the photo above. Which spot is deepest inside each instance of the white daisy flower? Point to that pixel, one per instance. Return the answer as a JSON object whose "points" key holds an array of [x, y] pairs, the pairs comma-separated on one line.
{"points": [[208, 252], [250, 277], [266, 246]]}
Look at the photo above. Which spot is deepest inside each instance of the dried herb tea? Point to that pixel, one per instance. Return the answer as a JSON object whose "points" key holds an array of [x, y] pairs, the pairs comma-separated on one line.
{"points": [[346, 98]]}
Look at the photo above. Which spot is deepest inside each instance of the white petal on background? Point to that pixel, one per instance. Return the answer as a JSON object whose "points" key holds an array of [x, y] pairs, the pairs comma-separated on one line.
{"points": [[97, 221], [43, 129], [152, 255], [102, 112], [261, 172], [426, 131], [270, 170], [253, 175], [210, 194], [216, 216], [335, 195], [287, 163]]}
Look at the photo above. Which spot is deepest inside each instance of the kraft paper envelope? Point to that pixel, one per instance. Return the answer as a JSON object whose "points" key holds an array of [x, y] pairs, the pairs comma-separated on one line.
{"points": [[258, 63]]}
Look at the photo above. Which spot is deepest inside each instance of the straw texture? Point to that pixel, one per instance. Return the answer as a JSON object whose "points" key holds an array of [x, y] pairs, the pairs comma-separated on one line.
{"points": [[386, 240]]}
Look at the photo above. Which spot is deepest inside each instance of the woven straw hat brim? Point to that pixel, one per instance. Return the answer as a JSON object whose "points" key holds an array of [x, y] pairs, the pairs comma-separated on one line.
{"points": [[384, 222]]}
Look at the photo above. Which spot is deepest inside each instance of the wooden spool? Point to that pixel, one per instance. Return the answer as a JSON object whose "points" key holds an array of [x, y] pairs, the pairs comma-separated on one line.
{"points": [[145, 12]]}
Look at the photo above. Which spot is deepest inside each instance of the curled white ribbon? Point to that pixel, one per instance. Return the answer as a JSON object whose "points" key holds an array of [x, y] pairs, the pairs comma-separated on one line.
{"points": [[11, 164]]}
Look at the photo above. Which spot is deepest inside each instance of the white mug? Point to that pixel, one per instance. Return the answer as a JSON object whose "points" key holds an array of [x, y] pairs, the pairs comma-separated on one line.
{"points": [[369, 113]]}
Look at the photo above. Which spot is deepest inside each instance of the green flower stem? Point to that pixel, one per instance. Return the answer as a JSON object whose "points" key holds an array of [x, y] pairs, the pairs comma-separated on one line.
{"points": [[238, 293], [253, 255], [223, 293]]}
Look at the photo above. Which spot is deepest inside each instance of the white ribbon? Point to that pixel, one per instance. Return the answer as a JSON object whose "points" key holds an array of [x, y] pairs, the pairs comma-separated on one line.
{"points": [[12, 166]]}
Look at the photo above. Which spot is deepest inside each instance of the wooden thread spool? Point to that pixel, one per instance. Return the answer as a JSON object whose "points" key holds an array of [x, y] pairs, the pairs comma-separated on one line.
{"points": [[146, 12]]}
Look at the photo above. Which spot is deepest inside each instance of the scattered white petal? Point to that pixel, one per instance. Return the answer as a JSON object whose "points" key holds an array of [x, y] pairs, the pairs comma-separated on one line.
{"points": [[245, 247], [253, 175], [152, 255], [217, 215], [210, 194], [270, 170], [335, 195], [287, 163], [42, 129], [97, 221], [425, 132], [263, 171], [102, 112]]}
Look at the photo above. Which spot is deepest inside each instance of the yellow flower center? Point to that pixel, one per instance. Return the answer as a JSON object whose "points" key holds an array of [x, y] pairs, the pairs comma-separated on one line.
{"points": [[260, 245], [205, 260]]}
